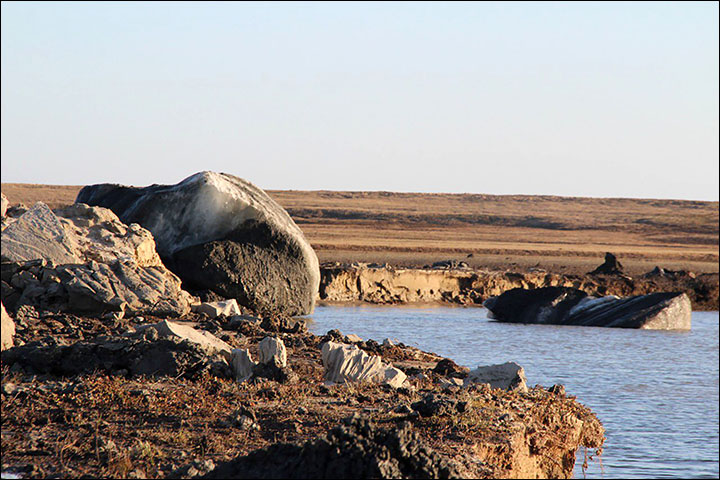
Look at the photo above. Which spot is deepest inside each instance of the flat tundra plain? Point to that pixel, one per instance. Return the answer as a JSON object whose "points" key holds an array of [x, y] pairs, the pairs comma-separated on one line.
{"points": [[499, 232]]}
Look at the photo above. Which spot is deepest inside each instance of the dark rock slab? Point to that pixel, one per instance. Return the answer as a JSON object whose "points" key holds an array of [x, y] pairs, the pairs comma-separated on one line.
{"points": [[450, 369], [569, 306], [143, 354], [355, 449], [222, 233]]}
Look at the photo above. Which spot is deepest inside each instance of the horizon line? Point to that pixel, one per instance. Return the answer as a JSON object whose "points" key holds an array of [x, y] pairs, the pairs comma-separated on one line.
{"points": [[409, 192]]}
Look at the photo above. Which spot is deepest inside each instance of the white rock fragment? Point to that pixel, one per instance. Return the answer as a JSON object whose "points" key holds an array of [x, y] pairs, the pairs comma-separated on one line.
{"points": [[394, 376], [7, 330], [347, 363], [272, 350], [352, 338], [228, 308], [4, 203], [506, 376], [242, 364]]}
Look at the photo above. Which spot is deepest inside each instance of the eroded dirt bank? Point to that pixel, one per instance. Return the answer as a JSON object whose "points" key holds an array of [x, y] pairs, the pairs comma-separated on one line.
{"points": [[388, 285], [113, 424]]}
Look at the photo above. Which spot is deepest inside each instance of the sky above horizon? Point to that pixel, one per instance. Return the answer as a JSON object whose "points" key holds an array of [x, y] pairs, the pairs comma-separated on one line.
{"points": [[572, 99]]}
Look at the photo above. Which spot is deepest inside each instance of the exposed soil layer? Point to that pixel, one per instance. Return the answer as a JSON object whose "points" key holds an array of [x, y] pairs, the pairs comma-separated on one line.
{"points": [[388, 285], [111, 423]]}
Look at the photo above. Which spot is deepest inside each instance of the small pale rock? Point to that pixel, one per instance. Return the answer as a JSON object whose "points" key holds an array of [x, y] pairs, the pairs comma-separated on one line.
{"points": [[247, 423], [9, 388], [394, 377], [242, 364], [228, 308], [506, 376], [272, 350], [352, 338], [3, 205], [347, 363], [7, 330]]}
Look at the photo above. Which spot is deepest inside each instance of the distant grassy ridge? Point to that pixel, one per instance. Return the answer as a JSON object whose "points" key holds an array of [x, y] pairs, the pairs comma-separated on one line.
{"points": [[658, 224], [569, 233], [308, 215], [543, 212]]}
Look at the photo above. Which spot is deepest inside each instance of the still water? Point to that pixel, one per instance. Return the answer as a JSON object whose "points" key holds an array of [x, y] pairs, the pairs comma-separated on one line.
{"points": [[656, 392]]}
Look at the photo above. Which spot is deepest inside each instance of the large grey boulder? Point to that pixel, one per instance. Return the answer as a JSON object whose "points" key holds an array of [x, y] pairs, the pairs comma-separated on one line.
{"points": [[82, 259], [569, 306], [222, 233], [347, 363], [506, 376]]}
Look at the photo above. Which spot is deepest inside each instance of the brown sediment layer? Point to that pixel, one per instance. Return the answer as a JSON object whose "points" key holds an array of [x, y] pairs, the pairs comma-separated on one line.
{"points": [[387, 285], [110, 424]]}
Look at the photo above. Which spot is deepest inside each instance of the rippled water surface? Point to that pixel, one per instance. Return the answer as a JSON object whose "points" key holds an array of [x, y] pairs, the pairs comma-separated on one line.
{"points": [[656, 392]]}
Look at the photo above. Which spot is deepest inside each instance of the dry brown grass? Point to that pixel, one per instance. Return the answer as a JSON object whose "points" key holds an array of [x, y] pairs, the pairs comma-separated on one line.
{"points": [[560, 234], [115, 427]]}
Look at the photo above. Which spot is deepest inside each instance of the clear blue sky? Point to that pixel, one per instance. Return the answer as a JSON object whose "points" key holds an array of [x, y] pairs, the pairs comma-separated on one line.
{"points": [[582, 99]]}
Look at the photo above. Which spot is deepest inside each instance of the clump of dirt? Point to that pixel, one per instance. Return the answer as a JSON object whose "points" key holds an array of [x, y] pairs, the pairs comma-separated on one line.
{"points": [[354, 449]]}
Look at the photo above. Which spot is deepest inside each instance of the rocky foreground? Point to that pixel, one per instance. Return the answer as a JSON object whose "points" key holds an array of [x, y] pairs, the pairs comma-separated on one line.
{"points": [[110, 368], [76, 401]]}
